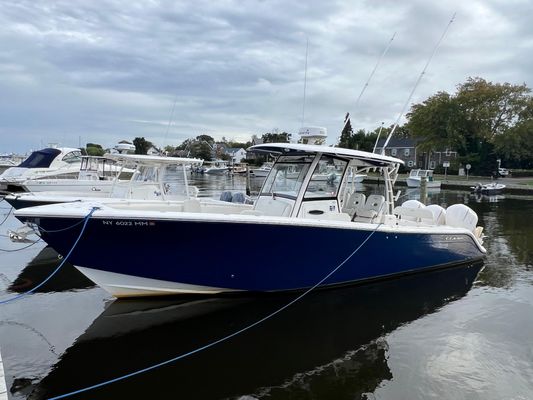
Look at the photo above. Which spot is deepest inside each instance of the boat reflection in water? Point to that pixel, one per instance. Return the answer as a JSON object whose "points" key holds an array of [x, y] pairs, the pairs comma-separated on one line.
{"points": [[37, 270], [331, 341]]}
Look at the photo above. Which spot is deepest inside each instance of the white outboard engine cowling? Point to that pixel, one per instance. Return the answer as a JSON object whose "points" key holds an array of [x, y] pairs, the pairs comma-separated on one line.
{"points": [[461, 216]]}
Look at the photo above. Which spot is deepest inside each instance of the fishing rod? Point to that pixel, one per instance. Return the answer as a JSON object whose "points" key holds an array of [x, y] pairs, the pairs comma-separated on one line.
{"points": [[416, 84], [368, 80]]}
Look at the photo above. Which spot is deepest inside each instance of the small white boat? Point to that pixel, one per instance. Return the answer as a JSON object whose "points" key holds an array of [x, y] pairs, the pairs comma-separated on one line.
{"points": [[60, 162], [488, 188], [262, 171], [416, 175], [216, 167]]}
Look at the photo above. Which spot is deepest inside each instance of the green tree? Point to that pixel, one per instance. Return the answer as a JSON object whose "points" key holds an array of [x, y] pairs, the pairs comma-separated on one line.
{"points": [[440, 123], [516, 146], [141, 145], [205, 138], [276, 137], [94, 149], [345, 139], [475, 121], [492, 108]]}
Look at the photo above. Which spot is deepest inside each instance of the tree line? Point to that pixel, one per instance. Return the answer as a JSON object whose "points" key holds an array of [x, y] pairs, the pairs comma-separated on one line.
{"points": [[482, 121]]}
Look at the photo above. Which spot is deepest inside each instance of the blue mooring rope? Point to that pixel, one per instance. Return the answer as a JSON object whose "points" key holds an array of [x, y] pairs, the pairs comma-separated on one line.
{"points": [[223, 339], [85, 220], [7, 216], [20, 248]]}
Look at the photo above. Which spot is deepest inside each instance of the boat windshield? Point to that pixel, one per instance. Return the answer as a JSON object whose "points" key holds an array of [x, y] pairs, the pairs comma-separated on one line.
{"points": [[72, 157], [326, 178], [146, 173], [287, 176]]}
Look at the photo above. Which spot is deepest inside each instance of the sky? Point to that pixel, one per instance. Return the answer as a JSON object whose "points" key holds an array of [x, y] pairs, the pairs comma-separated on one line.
{"points": [[73, 72]]}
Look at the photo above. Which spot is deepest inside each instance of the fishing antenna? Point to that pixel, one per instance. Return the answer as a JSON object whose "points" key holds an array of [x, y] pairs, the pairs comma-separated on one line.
{"points": [[368, 80], [305, 80], [416, 85], [171, 118], [377, 139]]}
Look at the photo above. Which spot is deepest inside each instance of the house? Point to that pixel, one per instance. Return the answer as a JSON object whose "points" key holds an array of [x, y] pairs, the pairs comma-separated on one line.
{"points": [[236, 154], [406, 149], [153, 151], [254, 155]]}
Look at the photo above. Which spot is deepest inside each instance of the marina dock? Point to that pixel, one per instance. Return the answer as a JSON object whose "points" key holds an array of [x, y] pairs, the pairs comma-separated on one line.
{"points": [[512, 185]]}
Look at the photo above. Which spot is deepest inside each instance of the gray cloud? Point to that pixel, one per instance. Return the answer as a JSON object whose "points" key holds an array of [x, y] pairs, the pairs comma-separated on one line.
{"points": [[109, 70]]}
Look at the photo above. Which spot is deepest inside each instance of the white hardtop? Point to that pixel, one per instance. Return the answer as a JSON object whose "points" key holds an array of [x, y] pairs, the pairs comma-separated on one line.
{"points": [[421, 172], [152, 160], [365, 157]]}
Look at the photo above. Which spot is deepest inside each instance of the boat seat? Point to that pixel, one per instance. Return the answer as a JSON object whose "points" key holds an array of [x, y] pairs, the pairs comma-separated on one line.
{"points": [[273, 207], [371, 210], [355, 201], [192, 205], [413, 215], [409, 211]]}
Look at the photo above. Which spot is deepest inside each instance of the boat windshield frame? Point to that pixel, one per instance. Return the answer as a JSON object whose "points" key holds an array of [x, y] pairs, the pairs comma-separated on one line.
{"points": [[297, 177], [283, 170]]}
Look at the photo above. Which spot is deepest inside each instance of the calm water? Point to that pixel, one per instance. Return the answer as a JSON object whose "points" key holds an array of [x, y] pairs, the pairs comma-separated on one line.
{"points": [[463, 333]]}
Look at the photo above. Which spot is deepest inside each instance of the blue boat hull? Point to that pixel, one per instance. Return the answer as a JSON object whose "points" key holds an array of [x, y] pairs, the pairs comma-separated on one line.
{"points": [[240, 256]]}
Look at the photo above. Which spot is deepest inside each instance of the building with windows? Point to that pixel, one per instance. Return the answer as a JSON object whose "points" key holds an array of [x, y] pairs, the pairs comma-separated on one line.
{"points": [[236, 154], [406, 149]]}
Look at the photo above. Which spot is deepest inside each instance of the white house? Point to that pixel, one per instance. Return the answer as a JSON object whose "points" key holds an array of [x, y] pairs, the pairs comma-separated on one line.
{"points": [[236, 154]]}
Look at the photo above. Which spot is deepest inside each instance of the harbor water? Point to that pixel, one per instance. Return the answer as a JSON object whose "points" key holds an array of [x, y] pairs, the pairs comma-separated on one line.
{"points": [[459, 333]]}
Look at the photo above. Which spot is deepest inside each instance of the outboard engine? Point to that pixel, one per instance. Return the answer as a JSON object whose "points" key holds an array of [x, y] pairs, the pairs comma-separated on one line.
{"points": [[226, 196], [461, 216]]}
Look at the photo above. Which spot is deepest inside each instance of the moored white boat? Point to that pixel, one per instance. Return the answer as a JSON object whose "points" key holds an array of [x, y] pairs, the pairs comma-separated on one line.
{"points": [[488, 188], [415, 178], [262, 171], [96, 174], [60, 162], [152, 178], [309, 228], [216, 167]]}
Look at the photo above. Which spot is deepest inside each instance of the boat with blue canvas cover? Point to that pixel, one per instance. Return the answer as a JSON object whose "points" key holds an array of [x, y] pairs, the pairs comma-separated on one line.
{"points": [[51, 162], [151, 178], [308, 227]]}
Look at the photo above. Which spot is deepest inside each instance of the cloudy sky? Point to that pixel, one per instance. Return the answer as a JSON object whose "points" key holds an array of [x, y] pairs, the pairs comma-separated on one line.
{"points": [[83, 71]]}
